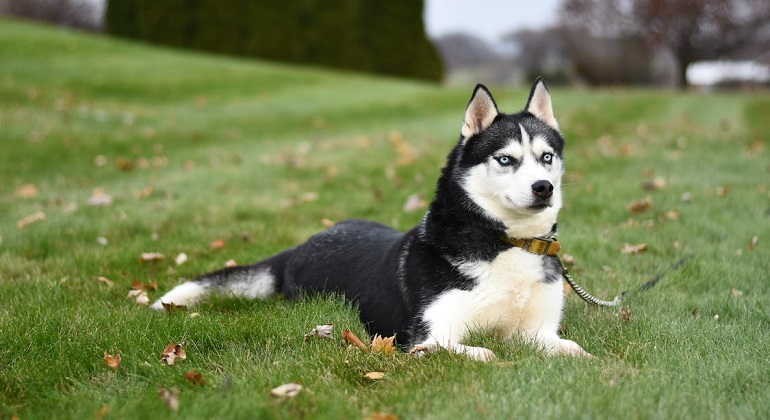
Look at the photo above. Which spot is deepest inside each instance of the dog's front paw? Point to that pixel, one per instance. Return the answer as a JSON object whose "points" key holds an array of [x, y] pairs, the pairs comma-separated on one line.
{"points": [[476, 353], [479, 353], [570, 348]]}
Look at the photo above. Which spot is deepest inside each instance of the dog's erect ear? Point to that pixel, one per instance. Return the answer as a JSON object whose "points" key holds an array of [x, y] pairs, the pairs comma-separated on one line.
{"points": [[480, 113], [539, 104]]}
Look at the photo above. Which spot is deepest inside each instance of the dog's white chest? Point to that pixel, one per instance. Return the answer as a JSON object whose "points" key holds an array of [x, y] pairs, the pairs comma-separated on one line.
{"points": [[499, 300]]}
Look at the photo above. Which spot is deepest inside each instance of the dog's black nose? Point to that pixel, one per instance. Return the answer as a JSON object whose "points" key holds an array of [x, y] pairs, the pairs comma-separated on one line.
{"points": [[542, 189]]}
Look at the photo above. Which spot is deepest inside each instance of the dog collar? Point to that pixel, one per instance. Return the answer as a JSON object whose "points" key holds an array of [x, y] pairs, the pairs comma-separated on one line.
{"points": [[539, 246]]}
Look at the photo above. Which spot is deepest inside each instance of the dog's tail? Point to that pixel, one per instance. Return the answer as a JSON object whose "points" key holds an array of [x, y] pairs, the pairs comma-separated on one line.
{"points": [[255, 281]]}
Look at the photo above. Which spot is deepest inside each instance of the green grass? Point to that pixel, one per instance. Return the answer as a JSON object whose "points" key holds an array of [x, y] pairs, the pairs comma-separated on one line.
{"points": [[221, 141]]}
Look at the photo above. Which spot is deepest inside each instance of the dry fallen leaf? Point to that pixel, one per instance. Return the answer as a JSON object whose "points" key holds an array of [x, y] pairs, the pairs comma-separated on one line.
{"points": [[737, 293], [382, 416], [286, 390], [124, 164], [641, 206], [374, 376], [171, 307], [351, 338], [217, 244], [322, 331], [112, 361], [404, 151], [35, 217], [195, 378], [230, 263], [633, 249], [670, 215], [100, 198], [753, 243], [655, 184], [106, 281], [151, 256], [170, 398], [136, 284], [102, 412], [414, 202], [383, 345], [625, 313], [327, 223], [181, 258], [139, 295], [26, 191], [172, 352], [723, 191]]}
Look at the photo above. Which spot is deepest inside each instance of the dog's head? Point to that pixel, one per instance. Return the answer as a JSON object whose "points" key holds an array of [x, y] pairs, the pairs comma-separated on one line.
{"points": [[511, 164]]}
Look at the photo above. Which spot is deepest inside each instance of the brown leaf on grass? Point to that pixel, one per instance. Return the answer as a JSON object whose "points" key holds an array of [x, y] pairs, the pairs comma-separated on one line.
{"points": [[100, 198], [754, 147], [625, 313], [35, 217], [290, 390], [170, 398], [383, 345], [102, 412], [151, 256], [327, 223], [144, 192], [181, 258], [140, 296], [195, 378], [414, 202], [230, 263], [670, 215], [723, 191], [657, 183], [737, 293], [172, 352], [112, 361], [381, 416], [753, 243], [26, 191], [321, 331], [350, 338], [633, 249], [105, 280], [374, 376], [641, 206], [404, 151], [124, 164], [217, 244], [136, 284], [171, 307], [568, 259]]}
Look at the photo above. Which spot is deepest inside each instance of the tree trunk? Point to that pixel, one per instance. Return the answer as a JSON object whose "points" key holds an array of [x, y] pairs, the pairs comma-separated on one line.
{"points": [[681, 73]]}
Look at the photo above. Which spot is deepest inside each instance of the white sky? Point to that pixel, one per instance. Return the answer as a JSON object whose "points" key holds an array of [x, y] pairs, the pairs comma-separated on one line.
{"points": [[487, 19]]}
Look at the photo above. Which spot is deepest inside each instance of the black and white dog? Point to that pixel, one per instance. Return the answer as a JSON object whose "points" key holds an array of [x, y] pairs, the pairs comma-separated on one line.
{"points": [[483, 257]]}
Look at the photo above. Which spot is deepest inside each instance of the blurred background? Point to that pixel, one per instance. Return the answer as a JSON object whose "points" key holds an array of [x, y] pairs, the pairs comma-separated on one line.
{"points": [[677, 44]]}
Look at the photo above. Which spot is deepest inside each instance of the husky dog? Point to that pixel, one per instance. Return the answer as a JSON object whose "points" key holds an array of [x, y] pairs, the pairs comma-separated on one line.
{"points": [[483, 256]]}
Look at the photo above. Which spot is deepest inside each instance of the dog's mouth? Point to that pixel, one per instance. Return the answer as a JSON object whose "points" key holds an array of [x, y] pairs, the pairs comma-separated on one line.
{"points": [[538, 207]]}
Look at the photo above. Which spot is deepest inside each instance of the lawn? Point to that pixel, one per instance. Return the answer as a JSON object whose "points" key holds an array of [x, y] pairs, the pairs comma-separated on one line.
{"points": [[110, 149]]}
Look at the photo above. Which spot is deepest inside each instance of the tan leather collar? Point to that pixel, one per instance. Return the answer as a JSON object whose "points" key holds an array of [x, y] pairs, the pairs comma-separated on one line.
{"points": [[539, 246]]}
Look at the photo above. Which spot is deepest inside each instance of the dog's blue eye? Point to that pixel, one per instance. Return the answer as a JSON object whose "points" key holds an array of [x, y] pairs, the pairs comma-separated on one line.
{"points": [[504, 160], [547, 157]]}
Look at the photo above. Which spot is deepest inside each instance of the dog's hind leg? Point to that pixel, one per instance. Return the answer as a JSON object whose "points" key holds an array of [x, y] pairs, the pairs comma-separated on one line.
{"points": [[256, 281]]}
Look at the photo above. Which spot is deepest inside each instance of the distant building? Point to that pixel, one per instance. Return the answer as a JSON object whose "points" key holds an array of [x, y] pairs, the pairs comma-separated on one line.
{"points": [[709, 74]]}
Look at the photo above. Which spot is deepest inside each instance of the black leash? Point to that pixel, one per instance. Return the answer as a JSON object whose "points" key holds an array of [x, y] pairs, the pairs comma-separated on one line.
{"points": [[616, 301]]}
